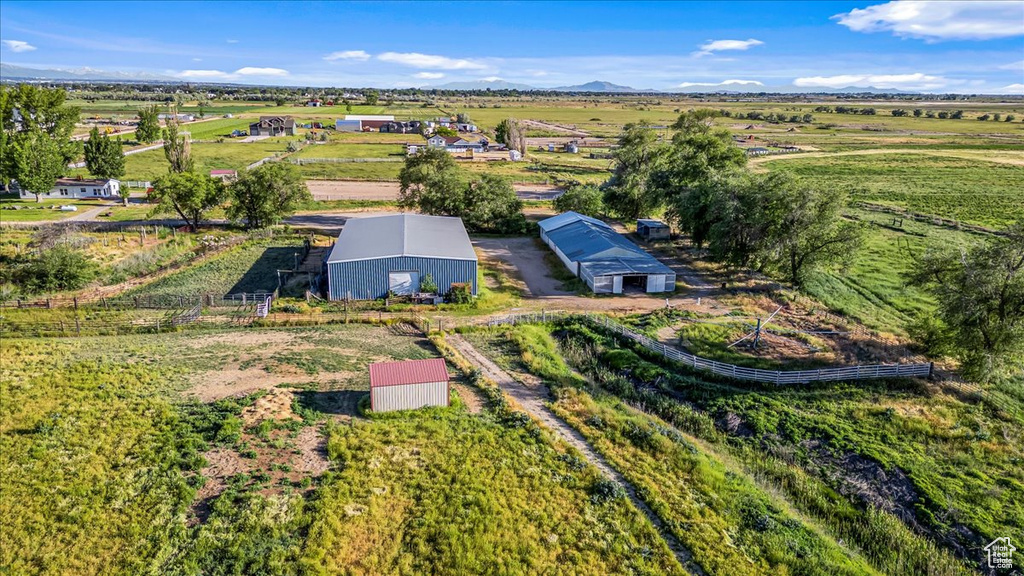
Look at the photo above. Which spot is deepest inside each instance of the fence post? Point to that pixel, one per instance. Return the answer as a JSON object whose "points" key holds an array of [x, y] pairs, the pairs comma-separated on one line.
{"points": [[48, 304], [78, 327], [158, 325], [931, 369], [76, 302]]}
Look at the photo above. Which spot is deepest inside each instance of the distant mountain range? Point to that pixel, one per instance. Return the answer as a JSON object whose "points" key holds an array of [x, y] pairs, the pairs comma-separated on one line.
{"points": [[12, 72], [9, 72]]}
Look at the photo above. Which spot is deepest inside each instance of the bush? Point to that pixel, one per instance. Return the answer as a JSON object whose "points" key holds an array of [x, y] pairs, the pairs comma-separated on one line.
{"points": [[57, 269], [605, 490]]}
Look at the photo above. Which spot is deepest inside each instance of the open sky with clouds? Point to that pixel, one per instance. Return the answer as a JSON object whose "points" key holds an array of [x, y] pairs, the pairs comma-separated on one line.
{"points": [[972, 46]]}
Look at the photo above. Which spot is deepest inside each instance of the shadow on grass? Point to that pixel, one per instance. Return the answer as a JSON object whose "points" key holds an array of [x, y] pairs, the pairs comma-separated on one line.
{"points": [[337, 402], [262, 275]]}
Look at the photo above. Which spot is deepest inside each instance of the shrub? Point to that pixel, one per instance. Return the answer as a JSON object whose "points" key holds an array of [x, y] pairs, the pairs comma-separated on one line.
{"points": [[605, 490], [56, 269]]}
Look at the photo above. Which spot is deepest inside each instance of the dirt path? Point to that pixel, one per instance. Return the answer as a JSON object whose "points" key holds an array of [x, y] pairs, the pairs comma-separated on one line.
{"points": [[964, 155], [532, 399], [536, 124], [357, 190]]}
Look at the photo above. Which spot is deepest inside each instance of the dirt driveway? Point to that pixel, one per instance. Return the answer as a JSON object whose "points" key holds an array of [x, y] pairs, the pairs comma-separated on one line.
{"points": [[528, 258], [355, 190]]}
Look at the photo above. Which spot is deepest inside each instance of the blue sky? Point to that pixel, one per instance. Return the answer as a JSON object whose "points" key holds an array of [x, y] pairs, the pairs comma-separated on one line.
{"points": [[924, 46]]}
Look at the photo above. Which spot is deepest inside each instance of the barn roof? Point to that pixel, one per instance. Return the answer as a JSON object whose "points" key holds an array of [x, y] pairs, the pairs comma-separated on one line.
{"points": [[408, 372], [600, 250], [403, 235], [652, 223]]}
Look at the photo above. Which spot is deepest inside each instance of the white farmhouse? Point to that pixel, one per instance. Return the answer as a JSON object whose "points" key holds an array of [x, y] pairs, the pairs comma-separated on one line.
{"points": [[78, 188]]}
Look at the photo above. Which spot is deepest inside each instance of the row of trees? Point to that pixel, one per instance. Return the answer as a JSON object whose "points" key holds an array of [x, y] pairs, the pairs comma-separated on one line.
{"points": [[432, 183], [260, 197]]}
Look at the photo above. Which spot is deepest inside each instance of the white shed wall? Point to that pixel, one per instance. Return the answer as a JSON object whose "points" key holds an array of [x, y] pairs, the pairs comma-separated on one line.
{"points": [[408, 396]]}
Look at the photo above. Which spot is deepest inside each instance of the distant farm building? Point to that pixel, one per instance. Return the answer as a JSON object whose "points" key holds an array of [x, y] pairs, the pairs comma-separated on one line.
{"points": [[76, 188], [456, 144], [408, 385], [314, 103], [273, 126], [363, 122], [603, 258], [653, 230], [223, 174], [178, 117], [392, 254]]}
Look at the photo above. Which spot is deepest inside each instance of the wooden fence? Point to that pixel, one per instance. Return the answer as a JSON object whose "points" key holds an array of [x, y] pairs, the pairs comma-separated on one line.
{"points": [[777, 377]]}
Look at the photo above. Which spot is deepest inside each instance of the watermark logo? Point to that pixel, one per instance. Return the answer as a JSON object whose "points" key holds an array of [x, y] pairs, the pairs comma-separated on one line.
{"points": [[1000, 553]]}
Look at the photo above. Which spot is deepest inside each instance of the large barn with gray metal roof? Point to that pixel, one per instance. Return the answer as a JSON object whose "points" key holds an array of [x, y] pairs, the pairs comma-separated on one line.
{"points": [[604, 259], [378, 255]]}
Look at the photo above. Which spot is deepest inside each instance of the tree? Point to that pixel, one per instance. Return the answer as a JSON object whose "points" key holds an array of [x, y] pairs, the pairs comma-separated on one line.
{"points": [[582, 198], [509, 133], [638, 155], [103, 156], [491, 205], [957, 115], [1009, 118], [177, 148], [56, 269], [26, 110], [372, 97], [688, 178], [980, 296], [445, 131], [148, 128], [38, 162], [430, 181], [918, 112], [463, 118], [188, 194], [266, 194]]}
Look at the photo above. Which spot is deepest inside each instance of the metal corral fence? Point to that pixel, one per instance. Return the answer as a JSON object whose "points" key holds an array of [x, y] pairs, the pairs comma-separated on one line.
{"points": [[777, 377]]}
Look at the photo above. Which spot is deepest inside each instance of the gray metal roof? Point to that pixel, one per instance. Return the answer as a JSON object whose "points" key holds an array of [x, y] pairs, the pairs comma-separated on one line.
{"points": [[652, 223], [403, 235], [599, 249]]}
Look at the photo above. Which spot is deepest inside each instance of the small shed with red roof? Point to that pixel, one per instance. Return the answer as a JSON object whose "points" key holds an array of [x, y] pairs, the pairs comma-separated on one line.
{"points": [[408, 385]]}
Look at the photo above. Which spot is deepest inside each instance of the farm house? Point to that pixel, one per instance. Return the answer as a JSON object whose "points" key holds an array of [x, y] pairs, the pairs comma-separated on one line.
{"points": [[603, 258], [375, 256], [76, 188], [408, 385], [653, 230]]}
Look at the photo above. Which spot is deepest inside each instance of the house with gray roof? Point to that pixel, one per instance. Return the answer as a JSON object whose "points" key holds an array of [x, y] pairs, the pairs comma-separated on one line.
{"points": [[606, 260], [392, 254]]}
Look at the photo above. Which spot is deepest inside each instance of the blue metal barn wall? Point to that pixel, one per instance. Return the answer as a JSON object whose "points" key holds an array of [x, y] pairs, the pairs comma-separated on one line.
{"points": [[368, 279]]}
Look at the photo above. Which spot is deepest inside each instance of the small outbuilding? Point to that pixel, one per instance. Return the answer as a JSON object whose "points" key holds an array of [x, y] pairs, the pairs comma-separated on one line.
{"points": [[408, 385], [393, 254], [653, 230], [604, 259]]}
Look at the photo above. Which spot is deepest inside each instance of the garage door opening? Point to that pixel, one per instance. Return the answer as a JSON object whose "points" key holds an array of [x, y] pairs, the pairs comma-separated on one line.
{"points": [[631, 284], [404, 283]]}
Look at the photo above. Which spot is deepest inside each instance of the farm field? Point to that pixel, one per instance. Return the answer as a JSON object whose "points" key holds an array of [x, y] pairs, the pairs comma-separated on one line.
{"points": [[245, 452], [251, 267], [150, 165], [974, 191], [347, 150]]}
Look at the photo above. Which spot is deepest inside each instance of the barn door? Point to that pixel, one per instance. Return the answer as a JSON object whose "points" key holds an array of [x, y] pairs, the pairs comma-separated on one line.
{"points": [[404, 282]]}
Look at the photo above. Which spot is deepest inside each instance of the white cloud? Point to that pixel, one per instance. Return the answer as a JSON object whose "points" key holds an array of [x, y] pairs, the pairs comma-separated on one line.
{"points": [[231, 41], [712, 46], [204, 74], [1013, 89], [358, 55], [429, 75], [1016, 66], [723, 83], [19, 46], [491, 79], [932, 20], [916, 81], [253, 71], [197, 59], [221, 75], [417, 60]]}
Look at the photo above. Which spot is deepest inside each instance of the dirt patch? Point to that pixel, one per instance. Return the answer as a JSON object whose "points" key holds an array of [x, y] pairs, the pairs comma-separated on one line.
{"points": [[275, 405], [243, 338], [470, 397], [528, 260]]}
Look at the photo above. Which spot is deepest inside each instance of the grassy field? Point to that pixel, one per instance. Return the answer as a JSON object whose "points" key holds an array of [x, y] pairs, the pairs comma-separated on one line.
{"points": [[903, 474], [16, 209], [350, 150], [208, 156], [973, 191], [171, 454], [251, 267]]}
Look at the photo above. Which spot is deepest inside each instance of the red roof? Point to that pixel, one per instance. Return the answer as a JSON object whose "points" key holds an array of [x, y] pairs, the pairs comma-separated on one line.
{"points": [[221, 172], [408, 372]]}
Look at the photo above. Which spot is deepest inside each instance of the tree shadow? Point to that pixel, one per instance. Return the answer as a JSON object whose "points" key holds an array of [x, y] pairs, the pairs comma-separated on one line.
{"points": [[262, 275]]}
